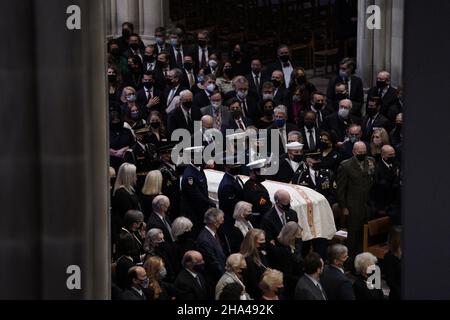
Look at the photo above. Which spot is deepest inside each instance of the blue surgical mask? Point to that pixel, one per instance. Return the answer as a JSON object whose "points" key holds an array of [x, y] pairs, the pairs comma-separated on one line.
{"points": [[163, 273], [280, 123], [159, 41], [174, 42], [131, 98], [135, 115], [242, 94], [210, 88], [343, 74]]}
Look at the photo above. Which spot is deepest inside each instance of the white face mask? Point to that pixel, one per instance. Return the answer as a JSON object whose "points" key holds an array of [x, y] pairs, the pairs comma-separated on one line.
{"points": [[210, 88], [215, 105], [212, 63], [343, 113]]}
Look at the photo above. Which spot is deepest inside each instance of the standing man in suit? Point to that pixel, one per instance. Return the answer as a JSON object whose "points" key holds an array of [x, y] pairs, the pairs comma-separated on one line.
{"points": [[388, 95], [210, 246], [189, 73], [373, 119], [134, 48], [354, 135], [283, 63], [137, 281], [194, 192], [353, 84], [310, 132], [279, 216], [282, 127], [220, 114], [334, 281], [149, 58], [174, 88], [184, 116], [309, 287], [177, 50], [256, 78], [190, 282], [249, 102], [161, 70], [160, 39], [237, 119], [203, 98], [338, 123], [354, 182], [159, 219], [202, 51], [150, 98], [280, 95], [318, 106]]}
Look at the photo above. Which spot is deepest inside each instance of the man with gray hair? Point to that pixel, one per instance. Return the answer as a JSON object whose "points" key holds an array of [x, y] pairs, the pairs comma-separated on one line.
{"points": [[159, 219], [282, 128], [210, 246], [334, 281], [338, 123], [386, 93], [248, 101], [177, 51], [184, 116]]}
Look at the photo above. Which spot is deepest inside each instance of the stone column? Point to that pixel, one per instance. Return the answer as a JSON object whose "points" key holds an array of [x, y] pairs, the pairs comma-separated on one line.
{"points": [[127, 10], [380, 49], [151, 13]]}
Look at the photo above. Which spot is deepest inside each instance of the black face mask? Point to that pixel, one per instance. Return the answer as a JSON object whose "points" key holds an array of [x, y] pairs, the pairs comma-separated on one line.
{"points": [[160, 64], [262, 246], [149, 59], [236, 55], [318, 106], [155, 125], [322, 145], [381, 84], [148, 85], [285, 207], [297, 158], [301, 80], [126, 33], [259, 178], [390, 160], [116, 126], [284, 59], [341, 96], [199, 268], [317, 166], [115, 52], [236, 114], [170, 82], [112, 78], [202, 43], [361, 157], [371, 112], [188, 66], [187, 105], [134, 46], [276, 83], [310, 124], [229, 72]]}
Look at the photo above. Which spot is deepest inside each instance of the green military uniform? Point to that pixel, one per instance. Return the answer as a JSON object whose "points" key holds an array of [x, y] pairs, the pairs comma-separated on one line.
{"points": [[354, 182]]}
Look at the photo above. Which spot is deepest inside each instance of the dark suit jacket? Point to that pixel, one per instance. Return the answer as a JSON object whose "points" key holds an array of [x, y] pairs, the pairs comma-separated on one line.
{"points": [[201, 100], [305, 136], [177, 120], [337, 126], [226, 116], [188, 287], [386, 192], [213, 254], [276, 65], [289, 127], [336, 284], [185, 80], [380, 122], [272, 224], [197, 57], [356, 94], [230, 192], [187, 51], [389, 103], [131, 294], [155, 222], [177, 93], [281, 96], [231, 124], [252, 85], [306, 290], [142, 101], [253, 111], [364, 293]]}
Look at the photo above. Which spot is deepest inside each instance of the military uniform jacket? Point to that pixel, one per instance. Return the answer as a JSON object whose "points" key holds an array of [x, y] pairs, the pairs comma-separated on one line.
{"points": [[230, 192], [285, 172], [324, 183], [353, 186], [256, 194]]}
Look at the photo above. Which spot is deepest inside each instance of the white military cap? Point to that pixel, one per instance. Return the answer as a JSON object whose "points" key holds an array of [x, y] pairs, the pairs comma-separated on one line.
{"points": [[294, 146], [258, 164]]}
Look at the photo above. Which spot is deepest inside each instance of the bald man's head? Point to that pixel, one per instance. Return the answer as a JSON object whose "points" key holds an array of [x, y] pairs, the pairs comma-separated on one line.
{"points": [[360, 150], [282, 199], [207, 122], [388, 154]]}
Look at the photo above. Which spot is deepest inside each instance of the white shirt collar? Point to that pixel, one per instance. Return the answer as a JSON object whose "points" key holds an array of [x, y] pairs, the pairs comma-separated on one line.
{"points": [[280, 213], [160, 216], [386, 164], [192, 273], [210, 231], [138, 291]]}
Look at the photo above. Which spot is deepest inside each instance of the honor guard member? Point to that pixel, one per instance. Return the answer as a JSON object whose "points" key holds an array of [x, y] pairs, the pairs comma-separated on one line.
{"points": [[291, 165], [230, 191], [255, 193], [318, 179], [194, 191], [170, 183], [143, 155]]}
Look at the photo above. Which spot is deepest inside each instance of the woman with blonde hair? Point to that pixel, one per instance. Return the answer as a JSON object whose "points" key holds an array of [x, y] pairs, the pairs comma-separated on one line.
{"points": [[253, 248], [152, 188], [286, 256], [234, 267], [124, 196], [242, 215], [380, 138], [271, 284], [157, 288], [128, 99]]}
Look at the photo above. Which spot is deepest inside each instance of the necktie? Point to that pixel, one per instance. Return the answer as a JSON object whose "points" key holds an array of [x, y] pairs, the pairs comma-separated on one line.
{"points": [[321, 291], [244, 107], [203, 61], [257, 83], [168, 228], [241, 125], [191, 79], [283, 219], [218, 120], [286, 65], [189, 119], [179, 58], [312, 143], [198, 281]]}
